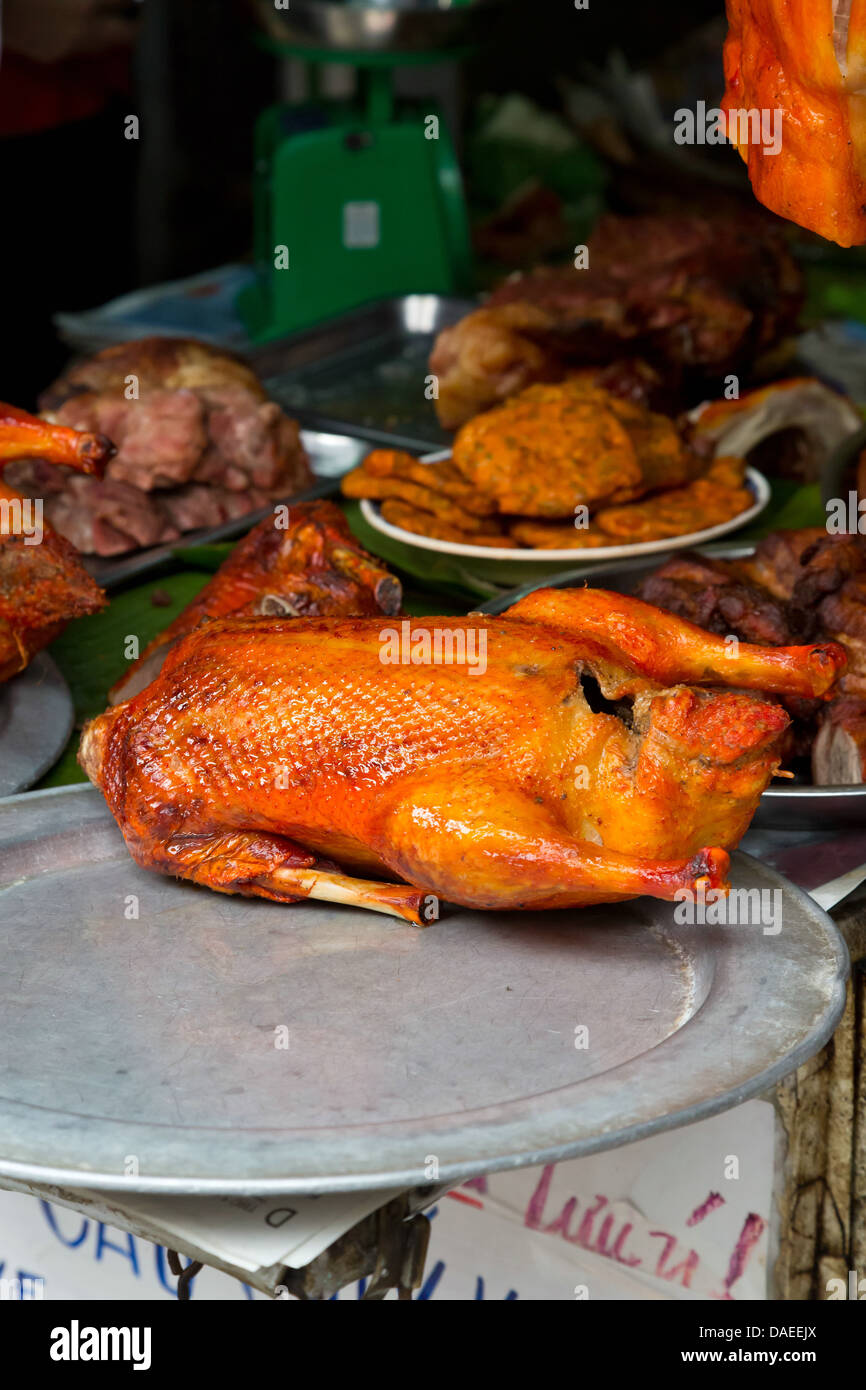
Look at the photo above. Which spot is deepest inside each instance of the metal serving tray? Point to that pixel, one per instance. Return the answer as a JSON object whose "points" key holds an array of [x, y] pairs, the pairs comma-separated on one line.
{"points": [[150, 1044], [785, 806], [363, 373], [36, 715]]}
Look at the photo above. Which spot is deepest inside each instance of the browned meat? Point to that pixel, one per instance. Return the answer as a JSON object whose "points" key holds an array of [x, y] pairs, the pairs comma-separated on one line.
{"points": [[776, 563], [799, 586], [42, 582], [712, 594], [171, 364], [194, 506], [686, 294], [313, 567], [103, 517], [198, 445]]}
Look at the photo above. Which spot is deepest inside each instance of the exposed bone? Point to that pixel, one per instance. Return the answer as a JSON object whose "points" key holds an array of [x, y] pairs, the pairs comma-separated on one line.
{"points": [[387, 589], [394, 899], [276, 606], [841, 26]]}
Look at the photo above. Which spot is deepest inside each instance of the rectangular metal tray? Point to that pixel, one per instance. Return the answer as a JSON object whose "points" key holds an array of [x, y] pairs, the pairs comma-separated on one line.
{"points": [[331, 455], [364, 373]]}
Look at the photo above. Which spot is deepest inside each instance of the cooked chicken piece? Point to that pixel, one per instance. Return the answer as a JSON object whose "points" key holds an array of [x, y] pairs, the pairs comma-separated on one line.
{"points": [[42, 582], [807, 59], [311, 567], [268, 752]]}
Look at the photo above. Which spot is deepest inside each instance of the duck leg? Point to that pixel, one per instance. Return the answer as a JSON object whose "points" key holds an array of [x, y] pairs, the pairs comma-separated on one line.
{"points": [[667, 649]]}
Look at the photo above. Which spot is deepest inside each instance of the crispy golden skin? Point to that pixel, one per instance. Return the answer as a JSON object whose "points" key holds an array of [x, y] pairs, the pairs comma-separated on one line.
{"points": [[784, 55], [311, 567], [42, 586]]}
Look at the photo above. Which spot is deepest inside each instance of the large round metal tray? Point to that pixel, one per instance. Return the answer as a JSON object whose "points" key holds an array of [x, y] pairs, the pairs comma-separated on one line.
{"points": [[786, 806], [36, 717], [149, 1045]]}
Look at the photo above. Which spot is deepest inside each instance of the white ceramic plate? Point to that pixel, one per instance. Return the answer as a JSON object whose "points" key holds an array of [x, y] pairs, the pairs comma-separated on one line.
{"points": [[755, 481]]}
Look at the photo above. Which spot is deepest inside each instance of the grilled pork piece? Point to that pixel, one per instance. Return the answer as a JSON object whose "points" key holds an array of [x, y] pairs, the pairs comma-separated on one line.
{"points": [[198, 443], [798, 586], [839, 751], [712, 594]]}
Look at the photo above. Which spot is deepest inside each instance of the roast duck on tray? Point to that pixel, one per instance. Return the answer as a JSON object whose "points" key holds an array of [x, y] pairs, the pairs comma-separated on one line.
{"points": [[582, 748]]}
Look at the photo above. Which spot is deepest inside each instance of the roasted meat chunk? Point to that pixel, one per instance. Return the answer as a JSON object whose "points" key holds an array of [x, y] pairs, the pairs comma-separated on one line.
{"points": [[805, 59], [690, 296], [197, 443]]}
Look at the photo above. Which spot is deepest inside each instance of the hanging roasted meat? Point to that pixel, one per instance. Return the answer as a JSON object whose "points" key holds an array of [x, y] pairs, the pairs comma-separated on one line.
{"points": [[311, 566], [42, 581], [806, 61], [563, 754]]}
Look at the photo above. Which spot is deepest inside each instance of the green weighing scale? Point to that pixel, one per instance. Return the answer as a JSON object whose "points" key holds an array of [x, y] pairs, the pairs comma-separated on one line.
{"points": [[357, 200]]}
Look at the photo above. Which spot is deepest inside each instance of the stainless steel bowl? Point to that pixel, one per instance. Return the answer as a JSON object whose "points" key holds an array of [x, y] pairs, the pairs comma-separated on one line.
{"points": [[397, 26]]}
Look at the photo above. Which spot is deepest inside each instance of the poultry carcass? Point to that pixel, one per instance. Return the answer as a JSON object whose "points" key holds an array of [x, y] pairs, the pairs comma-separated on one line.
{"points": [[311, 566], [42, 581], [562, 754], [806, 61]]}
